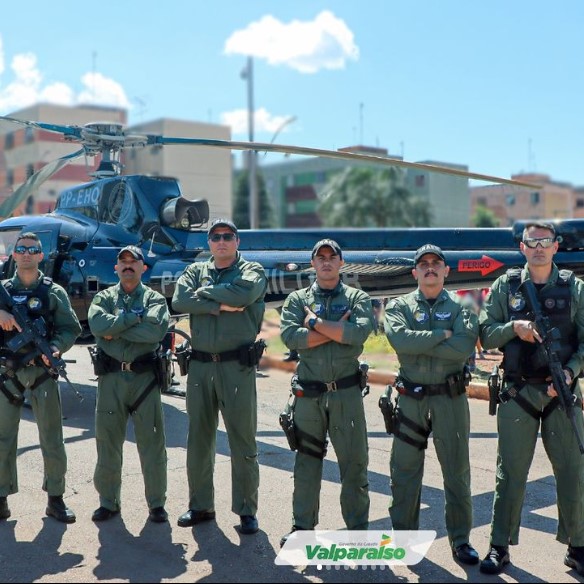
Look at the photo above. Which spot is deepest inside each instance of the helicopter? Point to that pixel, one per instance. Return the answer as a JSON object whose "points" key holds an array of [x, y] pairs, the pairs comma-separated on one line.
{"points": [[93, 221]]}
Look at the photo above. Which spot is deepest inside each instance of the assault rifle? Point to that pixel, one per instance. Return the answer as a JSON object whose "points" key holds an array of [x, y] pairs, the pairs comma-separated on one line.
{"points": [[34, 336], [550, 345]]}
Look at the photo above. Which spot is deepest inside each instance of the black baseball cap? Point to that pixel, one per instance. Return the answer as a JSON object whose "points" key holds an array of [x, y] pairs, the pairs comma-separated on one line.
{"points": [[328, 243], [135, 251], [429, 248], [222, 223]]}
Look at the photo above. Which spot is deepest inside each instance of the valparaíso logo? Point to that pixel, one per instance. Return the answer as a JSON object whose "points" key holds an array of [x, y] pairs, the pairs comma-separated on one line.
{"points": [[355, 548]]}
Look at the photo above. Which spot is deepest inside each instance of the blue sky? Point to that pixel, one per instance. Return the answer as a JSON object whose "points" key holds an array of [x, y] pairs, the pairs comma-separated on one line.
{"points": [[496, 85]]}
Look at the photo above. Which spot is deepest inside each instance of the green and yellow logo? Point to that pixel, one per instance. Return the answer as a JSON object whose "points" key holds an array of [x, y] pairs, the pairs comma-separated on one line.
{"points": [[337, 553]]}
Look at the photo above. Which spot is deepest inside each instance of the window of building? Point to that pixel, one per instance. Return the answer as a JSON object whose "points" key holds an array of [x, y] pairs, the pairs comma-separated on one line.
{"points": [[9, 141], [510, 200], [579, 203], [535, 198], [9, 177], [482, 201], [29, 170], [28, 135], [420, 180]]}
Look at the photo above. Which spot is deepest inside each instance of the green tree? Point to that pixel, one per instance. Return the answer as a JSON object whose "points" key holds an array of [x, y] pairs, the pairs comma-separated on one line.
{"points": [[241, 202], [484, 217], [368, 197]]}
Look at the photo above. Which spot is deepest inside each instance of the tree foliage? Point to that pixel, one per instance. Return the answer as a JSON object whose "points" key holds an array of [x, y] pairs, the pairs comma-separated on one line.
{"points": [[367, 197], [241, 202], [484, 217]]}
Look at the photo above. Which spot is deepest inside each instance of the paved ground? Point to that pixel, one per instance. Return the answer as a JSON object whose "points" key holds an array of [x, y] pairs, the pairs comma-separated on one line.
{"points": [[35, 548]]}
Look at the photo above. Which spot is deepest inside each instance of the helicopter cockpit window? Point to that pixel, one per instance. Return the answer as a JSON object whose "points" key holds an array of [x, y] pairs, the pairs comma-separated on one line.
{"points": [[117, 206]]}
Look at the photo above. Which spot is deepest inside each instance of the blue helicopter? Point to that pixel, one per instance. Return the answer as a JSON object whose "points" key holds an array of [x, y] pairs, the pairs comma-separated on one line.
{"points": [[93, 221]]}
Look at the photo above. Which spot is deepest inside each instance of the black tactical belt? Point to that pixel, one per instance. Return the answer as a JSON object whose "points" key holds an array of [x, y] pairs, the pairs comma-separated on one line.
{"points": [[141, 364], [320, 387], [535, 380], [215, 357]]}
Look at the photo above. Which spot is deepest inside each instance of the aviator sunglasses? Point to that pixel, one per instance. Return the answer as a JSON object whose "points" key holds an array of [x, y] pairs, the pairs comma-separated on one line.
{"points": [[31, 249], [215, 237], [545, 242]]}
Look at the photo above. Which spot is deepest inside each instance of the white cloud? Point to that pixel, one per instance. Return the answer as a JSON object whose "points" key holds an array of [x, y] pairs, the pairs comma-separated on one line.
{"points": [[307, 46], [102, 90], [263, 121], [27, 88]]}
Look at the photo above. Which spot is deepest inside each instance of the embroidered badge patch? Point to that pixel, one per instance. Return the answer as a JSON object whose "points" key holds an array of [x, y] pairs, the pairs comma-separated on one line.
{"points": [[443, 315], [516, 302], [420, 316]]}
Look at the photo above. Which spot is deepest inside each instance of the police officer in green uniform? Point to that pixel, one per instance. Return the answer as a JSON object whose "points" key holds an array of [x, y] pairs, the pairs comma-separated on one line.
{"points": [[328, 323], [433, 335], [528, 401], [129, 320], [225, 299], [44, 299]]}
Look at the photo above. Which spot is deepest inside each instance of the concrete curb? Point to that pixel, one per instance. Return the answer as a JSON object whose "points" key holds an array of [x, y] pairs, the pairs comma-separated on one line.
{"points": [[474, 390]]}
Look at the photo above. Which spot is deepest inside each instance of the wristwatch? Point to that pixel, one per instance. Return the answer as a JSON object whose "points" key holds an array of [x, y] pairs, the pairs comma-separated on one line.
{"points": [[312, 322]]}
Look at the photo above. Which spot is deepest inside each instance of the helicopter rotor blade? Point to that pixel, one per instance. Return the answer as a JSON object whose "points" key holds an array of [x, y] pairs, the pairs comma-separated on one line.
{"points": [[352, 156], [70, 132], [100, 137], [34, 182]]}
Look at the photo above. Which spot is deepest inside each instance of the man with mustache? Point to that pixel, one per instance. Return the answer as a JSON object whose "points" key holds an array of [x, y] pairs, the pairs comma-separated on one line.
{"points": [[433, 335], [528, 400], [129, 320]]}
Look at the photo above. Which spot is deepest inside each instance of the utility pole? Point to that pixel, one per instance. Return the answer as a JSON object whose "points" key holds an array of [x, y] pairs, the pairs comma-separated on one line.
{"points": [[247, 74]]}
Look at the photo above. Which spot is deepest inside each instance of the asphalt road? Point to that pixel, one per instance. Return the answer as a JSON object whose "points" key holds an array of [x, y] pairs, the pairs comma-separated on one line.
{"points": [[128, 548]]}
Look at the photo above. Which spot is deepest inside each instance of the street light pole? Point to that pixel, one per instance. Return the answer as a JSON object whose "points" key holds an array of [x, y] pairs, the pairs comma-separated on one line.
{"points": [[251, 159]]}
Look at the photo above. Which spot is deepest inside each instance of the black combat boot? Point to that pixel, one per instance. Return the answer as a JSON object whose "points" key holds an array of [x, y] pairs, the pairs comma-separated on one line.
{"points": [[56, 508], [4, 510]]}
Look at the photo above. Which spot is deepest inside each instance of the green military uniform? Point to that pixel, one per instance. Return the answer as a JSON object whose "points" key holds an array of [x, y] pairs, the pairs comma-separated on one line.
{"points": [[415, 328], [225, 386], [137, 322], [340, 412], [518, 429], [45, 399]]}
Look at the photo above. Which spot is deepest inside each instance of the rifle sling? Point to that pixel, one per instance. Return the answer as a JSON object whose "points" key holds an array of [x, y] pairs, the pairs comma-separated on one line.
{"points": [[132, 409]]}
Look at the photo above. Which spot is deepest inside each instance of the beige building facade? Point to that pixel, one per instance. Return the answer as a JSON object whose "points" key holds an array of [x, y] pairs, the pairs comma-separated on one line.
{"points": [[552, 200]]}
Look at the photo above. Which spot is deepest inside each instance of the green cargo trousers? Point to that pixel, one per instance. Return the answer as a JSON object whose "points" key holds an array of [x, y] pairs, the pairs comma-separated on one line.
{"points": [[229, 388], [517, 438], [341, 414], [46, 406], [450, 426], [116, 392]]}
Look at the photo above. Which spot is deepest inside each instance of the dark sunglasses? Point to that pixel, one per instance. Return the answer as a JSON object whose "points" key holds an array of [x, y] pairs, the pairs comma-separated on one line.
{"points": [[215, 237], [31, 249], [545, 242]]}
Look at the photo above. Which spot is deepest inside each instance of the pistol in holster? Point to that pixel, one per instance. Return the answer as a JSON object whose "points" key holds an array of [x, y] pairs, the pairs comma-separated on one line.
{"points": [[100, 360], [163, 368], [250, 355], [364, 376], [287, 423], [494, 384], [182, 354], [388, 410]]}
